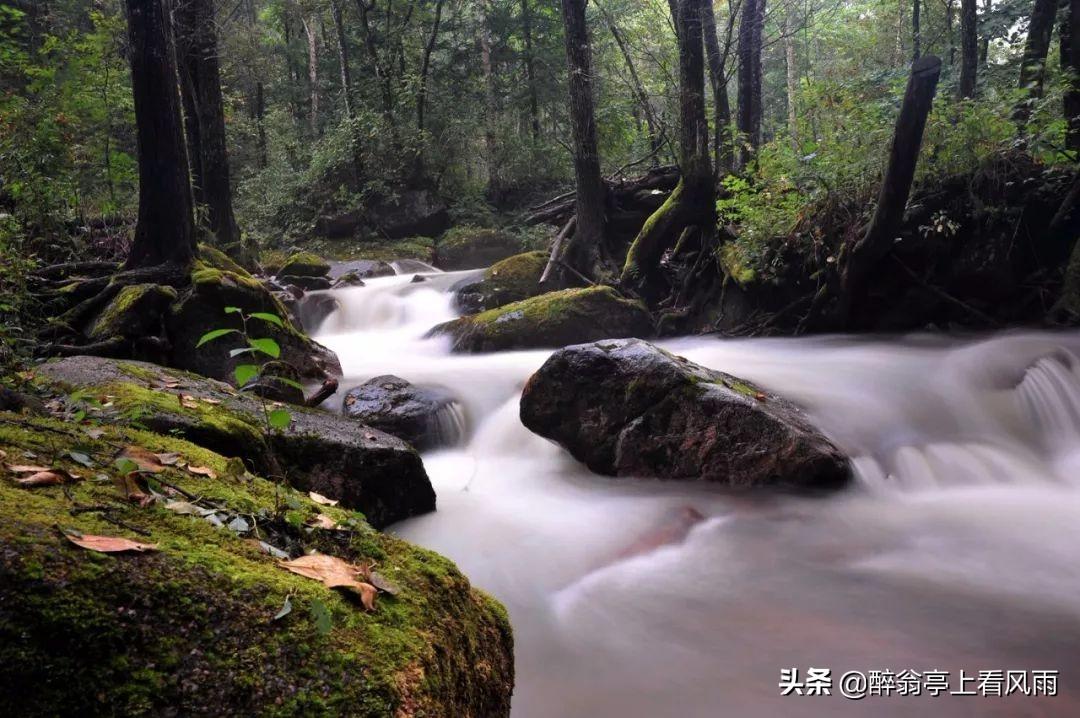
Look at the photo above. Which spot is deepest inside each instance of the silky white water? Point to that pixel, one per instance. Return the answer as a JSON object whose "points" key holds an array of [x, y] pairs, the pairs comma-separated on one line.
{"points": [[956, 549]]}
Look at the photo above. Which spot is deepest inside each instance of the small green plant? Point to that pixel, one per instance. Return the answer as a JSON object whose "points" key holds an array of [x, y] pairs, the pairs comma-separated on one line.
{"points": [[258, 348]]}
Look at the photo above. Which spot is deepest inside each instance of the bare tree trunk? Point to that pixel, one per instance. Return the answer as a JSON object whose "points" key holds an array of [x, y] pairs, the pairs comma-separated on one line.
{"points": [[347, 90], [792, 79], [969, 47], [949, 23], [313, 72], [749, 116], [382, 72], [530, 69], [165, 232], [984, 42], [425, 66], [896, 185], [201, 88], [1071, 56], [916, 31], [717, 59], [1033, 63], [642, 97], [586, 251]]}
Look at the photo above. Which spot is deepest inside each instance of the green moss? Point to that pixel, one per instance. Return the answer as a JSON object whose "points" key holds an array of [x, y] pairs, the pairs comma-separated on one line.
{"points": [[736, 264], [213, 257], [189, 628], [133, 312], [305, 264]]}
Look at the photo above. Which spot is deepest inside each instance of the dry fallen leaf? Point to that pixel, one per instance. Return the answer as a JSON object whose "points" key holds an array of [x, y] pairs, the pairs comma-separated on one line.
{"points": [[109, 544], [168, 459], [333, 572], [95, 433], [212, 402], [20, 469], [379, 582], [145, 459], [322, 521], [321, 500], [42, 478], [203, 471]]}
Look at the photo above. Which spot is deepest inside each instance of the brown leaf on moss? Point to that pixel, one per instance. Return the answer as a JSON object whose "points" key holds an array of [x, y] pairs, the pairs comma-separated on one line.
{"points": [[145, 459], [202, 471], [321, 500], [168, 459], [334, 572], [42, 478], [21, 469], [109, 544], [322, 521]]}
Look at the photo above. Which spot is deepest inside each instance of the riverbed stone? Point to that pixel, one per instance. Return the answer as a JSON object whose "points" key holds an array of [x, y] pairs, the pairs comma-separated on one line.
{"points": [[363, 467], [628, 408], [510, 280], [407, 411], [304, 264], [554, 319]]}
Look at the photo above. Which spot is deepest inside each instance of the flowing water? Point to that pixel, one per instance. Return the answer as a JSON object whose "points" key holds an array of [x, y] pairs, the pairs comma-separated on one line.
{"points": [[955, 550]]}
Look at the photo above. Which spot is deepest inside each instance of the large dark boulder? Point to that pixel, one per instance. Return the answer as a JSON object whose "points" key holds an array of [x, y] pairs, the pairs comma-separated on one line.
{"points": [[426, 417], [628, 408], [476, 247], [554, 319], [366, 469], [511, 280]]}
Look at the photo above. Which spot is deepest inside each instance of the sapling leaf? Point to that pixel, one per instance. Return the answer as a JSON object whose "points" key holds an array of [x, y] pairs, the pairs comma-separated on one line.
{"points": [[233, 310], [279, 418], [267, 346], [267, 317], [214, 334], [245, 373]]}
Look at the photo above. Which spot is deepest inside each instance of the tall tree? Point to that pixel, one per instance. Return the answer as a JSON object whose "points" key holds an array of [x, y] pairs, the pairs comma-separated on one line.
{"points": [[345, 70], [312, 35], [1070, 40], [586, 252], [491, 104], [200, 85], [1033, 63], [718, 79], [691, 205], [165, 232], [530, 68], [749, 115], [425, 66], [792, 76], [969, 47], [916, 30]]}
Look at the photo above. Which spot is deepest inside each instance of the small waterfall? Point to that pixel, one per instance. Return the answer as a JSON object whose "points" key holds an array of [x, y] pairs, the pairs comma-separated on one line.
{"points": [[448, 426], [1049, 397]]}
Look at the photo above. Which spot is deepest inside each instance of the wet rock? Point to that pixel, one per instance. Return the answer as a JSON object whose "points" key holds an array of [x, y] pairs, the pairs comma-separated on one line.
{"points": [[352, 279], [309, 284], [363, 467], [426, 417], [313, 310], [555, 319], [628, 408], [475, 247], [510, 280], [304, 264], [136, 311]]}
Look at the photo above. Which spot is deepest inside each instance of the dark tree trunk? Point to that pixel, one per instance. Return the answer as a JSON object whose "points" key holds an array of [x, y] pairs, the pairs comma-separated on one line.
{"points": [[205, 109], [916, 31], [530, 69], [1070, 42], [586, 252], [642, 97], [692, 204], [313, 73], [896, 185], [950, 21], [165, 232], [717, 59], [425, 66], [1033, 63], [347, 90], [984, 41], [969, 47], [749, 115]]}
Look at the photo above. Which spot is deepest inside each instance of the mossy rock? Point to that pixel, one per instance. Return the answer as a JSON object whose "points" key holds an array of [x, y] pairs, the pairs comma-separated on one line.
{"points": [[135, 312], [201, 309], [189, 629], [364, 468], [304, 264], [475, 247], [555, 319], [510, 280]]}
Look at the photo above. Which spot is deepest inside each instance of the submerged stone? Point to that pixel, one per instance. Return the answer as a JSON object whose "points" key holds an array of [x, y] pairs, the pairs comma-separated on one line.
{"points": [[426, 417], [511, 280]]}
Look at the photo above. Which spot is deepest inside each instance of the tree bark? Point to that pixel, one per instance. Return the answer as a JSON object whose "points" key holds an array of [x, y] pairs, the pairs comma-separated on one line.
{"points": [[1033, 63], [969, 47], [491, 109], [916, 31], [792, 78], [347, 90], [425, 66], [530, 69], [201, 88], [586, 250], [896, 185], [717, 59], [1071, 57], [313, 73], [165, 232], [749, 115]]}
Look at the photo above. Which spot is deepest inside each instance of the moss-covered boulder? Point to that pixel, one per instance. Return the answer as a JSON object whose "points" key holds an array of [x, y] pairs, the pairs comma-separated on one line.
{"points": [[556, 319], [628, 408], [476, 247], [137, 311], [364, 468], [201, 308], [192, 628], [304, 264], [510, 280]]}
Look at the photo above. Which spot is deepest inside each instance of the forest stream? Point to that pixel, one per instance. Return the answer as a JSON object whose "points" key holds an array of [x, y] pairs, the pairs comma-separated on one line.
{"points": [[954, 550]]}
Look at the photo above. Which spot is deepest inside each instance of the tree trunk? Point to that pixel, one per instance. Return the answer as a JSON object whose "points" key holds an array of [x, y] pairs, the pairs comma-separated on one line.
{"points": [[717, 59], [1071, 57], [749, 116], [382, 72], [586, 251], [692, 204], [313, 73], [984, 41], [201, 87], [1033, 63], [642, 97], [347, 90], [950, 21], [969, 47], [896, 185], [491, 109], [530, 69], [425, 66], [792, 78], [165, 232], [916, 31]]}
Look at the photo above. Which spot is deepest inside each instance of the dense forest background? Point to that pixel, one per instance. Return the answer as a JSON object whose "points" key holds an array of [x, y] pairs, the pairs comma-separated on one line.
{"points": [[333, 107]]}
